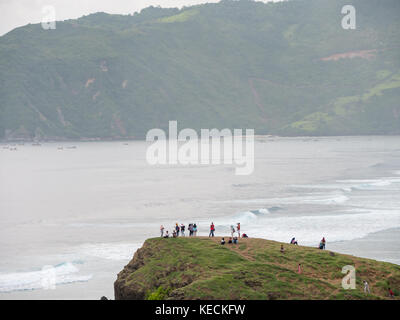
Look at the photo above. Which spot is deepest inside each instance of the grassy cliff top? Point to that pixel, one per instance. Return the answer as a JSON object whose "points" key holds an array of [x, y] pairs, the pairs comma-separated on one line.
{"points": [[201, 268]]}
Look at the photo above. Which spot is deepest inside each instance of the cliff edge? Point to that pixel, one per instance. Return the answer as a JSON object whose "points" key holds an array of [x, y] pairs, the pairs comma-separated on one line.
{"points": [[202, 268]]}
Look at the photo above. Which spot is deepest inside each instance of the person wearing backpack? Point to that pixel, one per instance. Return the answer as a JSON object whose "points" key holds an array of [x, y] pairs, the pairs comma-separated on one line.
{"points": [[212, 230]]}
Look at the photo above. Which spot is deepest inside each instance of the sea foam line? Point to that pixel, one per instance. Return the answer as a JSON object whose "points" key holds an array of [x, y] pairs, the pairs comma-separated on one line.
{"points": [[32, 280]]}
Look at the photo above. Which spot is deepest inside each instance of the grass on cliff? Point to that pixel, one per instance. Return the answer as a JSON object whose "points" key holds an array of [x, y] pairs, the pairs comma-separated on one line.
{"points": [[201, 268]]}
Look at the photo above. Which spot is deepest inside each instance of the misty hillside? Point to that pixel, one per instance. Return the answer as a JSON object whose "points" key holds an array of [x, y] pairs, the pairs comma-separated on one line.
{"points": [[286, 68]]}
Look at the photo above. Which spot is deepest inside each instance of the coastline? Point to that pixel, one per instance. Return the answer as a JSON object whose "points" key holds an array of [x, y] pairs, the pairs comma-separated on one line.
{"points": [[143, 138]]}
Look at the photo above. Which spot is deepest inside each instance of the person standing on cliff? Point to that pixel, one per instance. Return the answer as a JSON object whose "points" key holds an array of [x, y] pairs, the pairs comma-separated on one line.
{"points": [[212, 230], [162, 230], [182, 230], [366, 287], [238, 229], [177, 229]]}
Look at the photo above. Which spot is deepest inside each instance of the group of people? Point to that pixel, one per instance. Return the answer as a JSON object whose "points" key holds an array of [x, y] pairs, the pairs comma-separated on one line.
{"points": [[237, 230], [233, 231], [367, 290], [232, 240], [179, 230], [321, 246], [192, 227]]}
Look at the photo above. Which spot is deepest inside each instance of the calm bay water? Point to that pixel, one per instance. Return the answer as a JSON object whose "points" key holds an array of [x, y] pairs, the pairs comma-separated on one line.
{"points": [[85, 210]]}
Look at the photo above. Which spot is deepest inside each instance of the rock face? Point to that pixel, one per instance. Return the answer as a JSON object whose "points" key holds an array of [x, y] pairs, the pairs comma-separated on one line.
{"points": [[131, 291], [201, 268]]}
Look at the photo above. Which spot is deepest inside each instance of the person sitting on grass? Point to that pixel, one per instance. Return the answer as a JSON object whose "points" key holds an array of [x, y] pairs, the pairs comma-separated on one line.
{"points": [[174, 234], [166, 234], [282, 249], [244, 235], [293, 241], [230, 241], [235, 240], [223, 241]]}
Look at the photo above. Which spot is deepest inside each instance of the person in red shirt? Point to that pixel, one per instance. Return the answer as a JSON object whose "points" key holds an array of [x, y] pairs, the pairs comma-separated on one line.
{"points": [[238, 229], [391, 294], [212, 230]]}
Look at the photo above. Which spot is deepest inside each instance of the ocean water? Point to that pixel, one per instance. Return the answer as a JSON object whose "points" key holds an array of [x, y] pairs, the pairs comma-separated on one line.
{"points": [[82, 212]]}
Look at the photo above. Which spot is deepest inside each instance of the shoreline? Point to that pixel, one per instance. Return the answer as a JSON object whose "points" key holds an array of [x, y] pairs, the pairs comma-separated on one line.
{"points": [[133, 138]]}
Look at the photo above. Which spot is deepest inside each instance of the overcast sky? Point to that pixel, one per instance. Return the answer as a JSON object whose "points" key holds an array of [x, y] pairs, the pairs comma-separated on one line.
{"points": [[16, 13]]}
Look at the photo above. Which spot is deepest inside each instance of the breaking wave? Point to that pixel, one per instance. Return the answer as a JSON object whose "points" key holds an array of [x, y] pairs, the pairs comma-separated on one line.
{"points": [[62, 273]]}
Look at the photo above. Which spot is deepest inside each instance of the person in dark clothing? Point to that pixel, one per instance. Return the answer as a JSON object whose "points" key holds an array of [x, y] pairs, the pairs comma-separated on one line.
{"points": [[323, 242]]}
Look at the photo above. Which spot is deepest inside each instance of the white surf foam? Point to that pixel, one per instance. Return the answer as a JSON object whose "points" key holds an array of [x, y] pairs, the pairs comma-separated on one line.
{"points": [[370, 184], [350, 185], [352, 224], [249, 216], [310, 199], [61, 274], [109, 251]]}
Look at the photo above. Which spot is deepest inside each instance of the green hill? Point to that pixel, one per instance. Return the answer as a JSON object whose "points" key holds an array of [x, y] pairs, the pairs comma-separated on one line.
{"points": [[285, 68], [201, 268]]}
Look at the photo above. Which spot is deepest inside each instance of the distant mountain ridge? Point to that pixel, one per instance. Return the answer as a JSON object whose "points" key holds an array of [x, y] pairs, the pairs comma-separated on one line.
{"points": [[286, 68]]}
